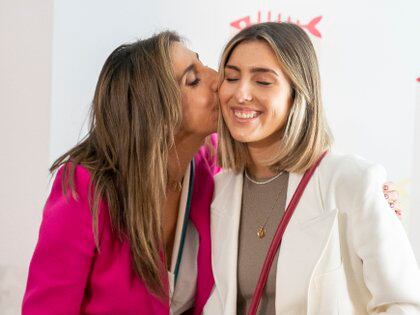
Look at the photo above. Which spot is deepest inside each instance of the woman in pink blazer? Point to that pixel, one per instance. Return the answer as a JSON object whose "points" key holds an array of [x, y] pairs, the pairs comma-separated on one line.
{"points": [[125, 229]]}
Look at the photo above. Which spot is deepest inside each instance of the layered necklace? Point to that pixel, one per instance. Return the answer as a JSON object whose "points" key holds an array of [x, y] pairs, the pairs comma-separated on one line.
{"points": [[262, 229]]}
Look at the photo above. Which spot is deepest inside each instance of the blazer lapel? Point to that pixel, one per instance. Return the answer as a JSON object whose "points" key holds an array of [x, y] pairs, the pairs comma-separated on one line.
{"points": [[225, 217], [303, 242]]}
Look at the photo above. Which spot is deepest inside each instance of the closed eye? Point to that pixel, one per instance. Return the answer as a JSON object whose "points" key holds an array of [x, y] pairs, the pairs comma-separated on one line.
{"points": [[195, 82], [264, 83]]}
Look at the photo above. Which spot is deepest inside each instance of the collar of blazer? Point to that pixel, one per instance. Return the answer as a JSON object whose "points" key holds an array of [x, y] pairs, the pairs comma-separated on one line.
{"points": [[304, 240]]}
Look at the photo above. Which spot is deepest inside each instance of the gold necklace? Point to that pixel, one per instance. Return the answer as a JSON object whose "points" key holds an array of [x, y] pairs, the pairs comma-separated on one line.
{"points": [[173, 184], [262, 231]]}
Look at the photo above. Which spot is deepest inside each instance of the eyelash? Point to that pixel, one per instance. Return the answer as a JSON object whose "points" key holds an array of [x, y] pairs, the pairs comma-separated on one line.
{"points": [[195, 82], [264, 83], [259, 82]]}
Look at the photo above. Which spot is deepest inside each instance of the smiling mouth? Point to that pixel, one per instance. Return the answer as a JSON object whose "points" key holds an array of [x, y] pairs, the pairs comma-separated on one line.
{"points": [[245, 115]]}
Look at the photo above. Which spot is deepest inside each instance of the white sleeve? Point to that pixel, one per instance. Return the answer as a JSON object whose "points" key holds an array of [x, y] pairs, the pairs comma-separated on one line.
{"points": [[390, 270]]}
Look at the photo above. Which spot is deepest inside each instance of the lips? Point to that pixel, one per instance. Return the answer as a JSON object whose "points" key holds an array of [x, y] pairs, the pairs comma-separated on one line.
{"points": [[243, 115]]}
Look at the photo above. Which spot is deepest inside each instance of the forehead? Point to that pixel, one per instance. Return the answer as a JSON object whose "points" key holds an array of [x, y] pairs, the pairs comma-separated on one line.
{"points": [[256, 53], [181, 57]]}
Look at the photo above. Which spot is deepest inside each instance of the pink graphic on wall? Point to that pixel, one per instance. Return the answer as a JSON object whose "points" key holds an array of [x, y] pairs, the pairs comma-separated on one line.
{"points": [[418, 79], [246, 21]]}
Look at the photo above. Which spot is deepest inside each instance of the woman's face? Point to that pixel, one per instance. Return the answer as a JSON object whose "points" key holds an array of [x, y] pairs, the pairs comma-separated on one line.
{"points": [[255, 95], [198, 85]]}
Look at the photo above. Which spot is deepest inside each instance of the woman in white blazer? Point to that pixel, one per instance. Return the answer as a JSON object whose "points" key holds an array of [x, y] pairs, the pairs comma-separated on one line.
{"points": [[344, 251]]}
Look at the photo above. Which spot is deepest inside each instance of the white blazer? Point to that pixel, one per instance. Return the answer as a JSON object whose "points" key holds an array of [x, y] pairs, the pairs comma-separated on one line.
{"points": [[344, 251]]}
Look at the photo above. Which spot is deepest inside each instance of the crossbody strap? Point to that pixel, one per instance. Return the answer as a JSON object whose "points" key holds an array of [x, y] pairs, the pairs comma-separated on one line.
{"points": [[278, 236]]}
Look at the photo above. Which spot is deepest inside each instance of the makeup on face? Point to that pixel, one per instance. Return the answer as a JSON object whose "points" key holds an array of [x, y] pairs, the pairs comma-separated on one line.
{"points": [[255, 94]]}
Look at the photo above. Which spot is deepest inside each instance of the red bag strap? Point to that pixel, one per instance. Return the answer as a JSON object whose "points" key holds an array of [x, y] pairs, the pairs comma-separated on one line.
{"points": [[278, 236]]}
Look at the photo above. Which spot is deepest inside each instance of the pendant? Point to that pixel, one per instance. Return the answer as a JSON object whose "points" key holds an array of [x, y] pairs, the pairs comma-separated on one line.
{"points": [[261, 232], [175, 186]]}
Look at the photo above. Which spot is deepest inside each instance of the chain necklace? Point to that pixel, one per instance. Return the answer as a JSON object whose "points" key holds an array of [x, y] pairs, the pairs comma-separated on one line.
{"points": [[262, 230], [262, 182], [172, 184]]}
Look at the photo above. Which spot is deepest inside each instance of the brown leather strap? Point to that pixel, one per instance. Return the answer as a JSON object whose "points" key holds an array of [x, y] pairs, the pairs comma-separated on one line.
{"points": [[278, 236]]}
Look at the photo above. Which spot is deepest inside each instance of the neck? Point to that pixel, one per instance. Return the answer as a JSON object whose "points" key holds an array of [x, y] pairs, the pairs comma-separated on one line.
{"points": [[260, 153], [180, 156]]}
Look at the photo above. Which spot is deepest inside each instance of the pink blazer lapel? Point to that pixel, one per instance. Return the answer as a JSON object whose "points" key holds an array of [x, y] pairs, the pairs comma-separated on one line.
{"points": [[200, 216]]}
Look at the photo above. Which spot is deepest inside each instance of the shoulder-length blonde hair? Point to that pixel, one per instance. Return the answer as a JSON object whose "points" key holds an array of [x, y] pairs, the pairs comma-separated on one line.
{"points": [[306, 134], [135, 113]]}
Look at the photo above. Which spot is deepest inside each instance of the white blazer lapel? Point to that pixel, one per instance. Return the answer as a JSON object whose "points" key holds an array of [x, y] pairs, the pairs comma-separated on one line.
{"points": [[303, 242], [225, 217]]}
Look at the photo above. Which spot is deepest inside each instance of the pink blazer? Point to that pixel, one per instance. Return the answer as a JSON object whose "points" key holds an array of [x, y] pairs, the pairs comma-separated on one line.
{"points": [[67, 275]]}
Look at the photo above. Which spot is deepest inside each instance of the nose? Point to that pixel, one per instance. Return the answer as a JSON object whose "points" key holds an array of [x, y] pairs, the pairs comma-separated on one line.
{"points": [[213, 78], [243, 93]]}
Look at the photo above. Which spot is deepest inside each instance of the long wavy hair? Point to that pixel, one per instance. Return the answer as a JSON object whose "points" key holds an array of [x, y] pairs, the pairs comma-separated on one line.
{"points": [[135, 113]]}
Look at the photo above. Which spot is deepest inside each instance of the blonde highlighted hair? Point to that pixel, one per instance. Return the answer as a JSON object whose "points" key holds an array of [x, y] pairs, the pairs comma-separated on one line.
{"points": [[306, 134]]}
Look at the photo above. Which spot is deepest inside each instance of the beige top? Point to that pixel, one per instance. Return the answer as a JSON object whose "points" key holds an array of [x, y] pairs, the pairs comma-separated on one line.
{"points": [[260, 203]]}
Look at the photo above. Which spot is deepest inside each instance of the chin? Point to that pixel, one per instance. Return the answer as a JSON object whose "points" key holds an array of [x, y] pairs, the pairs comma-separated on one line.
{"points": [[241, 137]]}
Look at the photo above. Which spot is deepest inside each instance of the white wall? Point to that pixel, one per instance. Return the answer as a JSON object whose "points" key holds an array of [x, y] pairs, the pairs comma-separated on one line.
{"points": [[415, 213], [25, 89], [368, 53]]}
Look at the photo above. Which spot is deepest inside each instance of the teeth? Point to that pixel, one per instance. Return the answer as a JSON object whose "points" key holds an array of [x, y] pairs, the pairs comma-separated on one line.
{"points": [[245, 115]]}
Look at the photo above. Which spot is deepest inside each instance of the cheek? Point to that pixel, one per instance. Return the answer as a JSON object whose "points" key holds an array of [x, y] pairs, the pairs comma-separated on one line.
{"points": [[197, 108], [224, 109], [188, 112], [278, 107], [224, 94], [202, 99]]}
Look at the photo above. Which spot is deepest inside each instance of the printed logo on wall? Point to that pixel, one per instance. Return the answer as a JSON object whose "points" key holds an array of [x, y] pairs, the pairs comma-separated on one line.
{"points": [[310, 27]]}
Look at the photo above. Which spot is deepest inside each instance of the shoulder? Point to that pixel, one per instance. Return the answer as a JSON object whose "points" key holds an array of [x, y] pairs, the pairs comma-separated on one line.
{"points": [[81, 174], [351, 179], [67, 221], [350, 168], [81, 179], [64, 206]]}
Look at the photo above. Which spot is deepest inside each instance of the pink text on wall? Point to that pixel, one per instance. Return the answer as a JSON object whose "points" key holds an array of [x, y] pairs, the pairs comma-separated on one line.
{"points": [[310, 26]]}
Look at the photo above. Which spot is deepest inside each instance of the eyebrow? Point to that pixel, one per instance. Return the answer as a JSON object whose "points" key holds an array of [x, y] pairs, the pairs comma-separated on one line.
{"points": [[254, 69]]}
